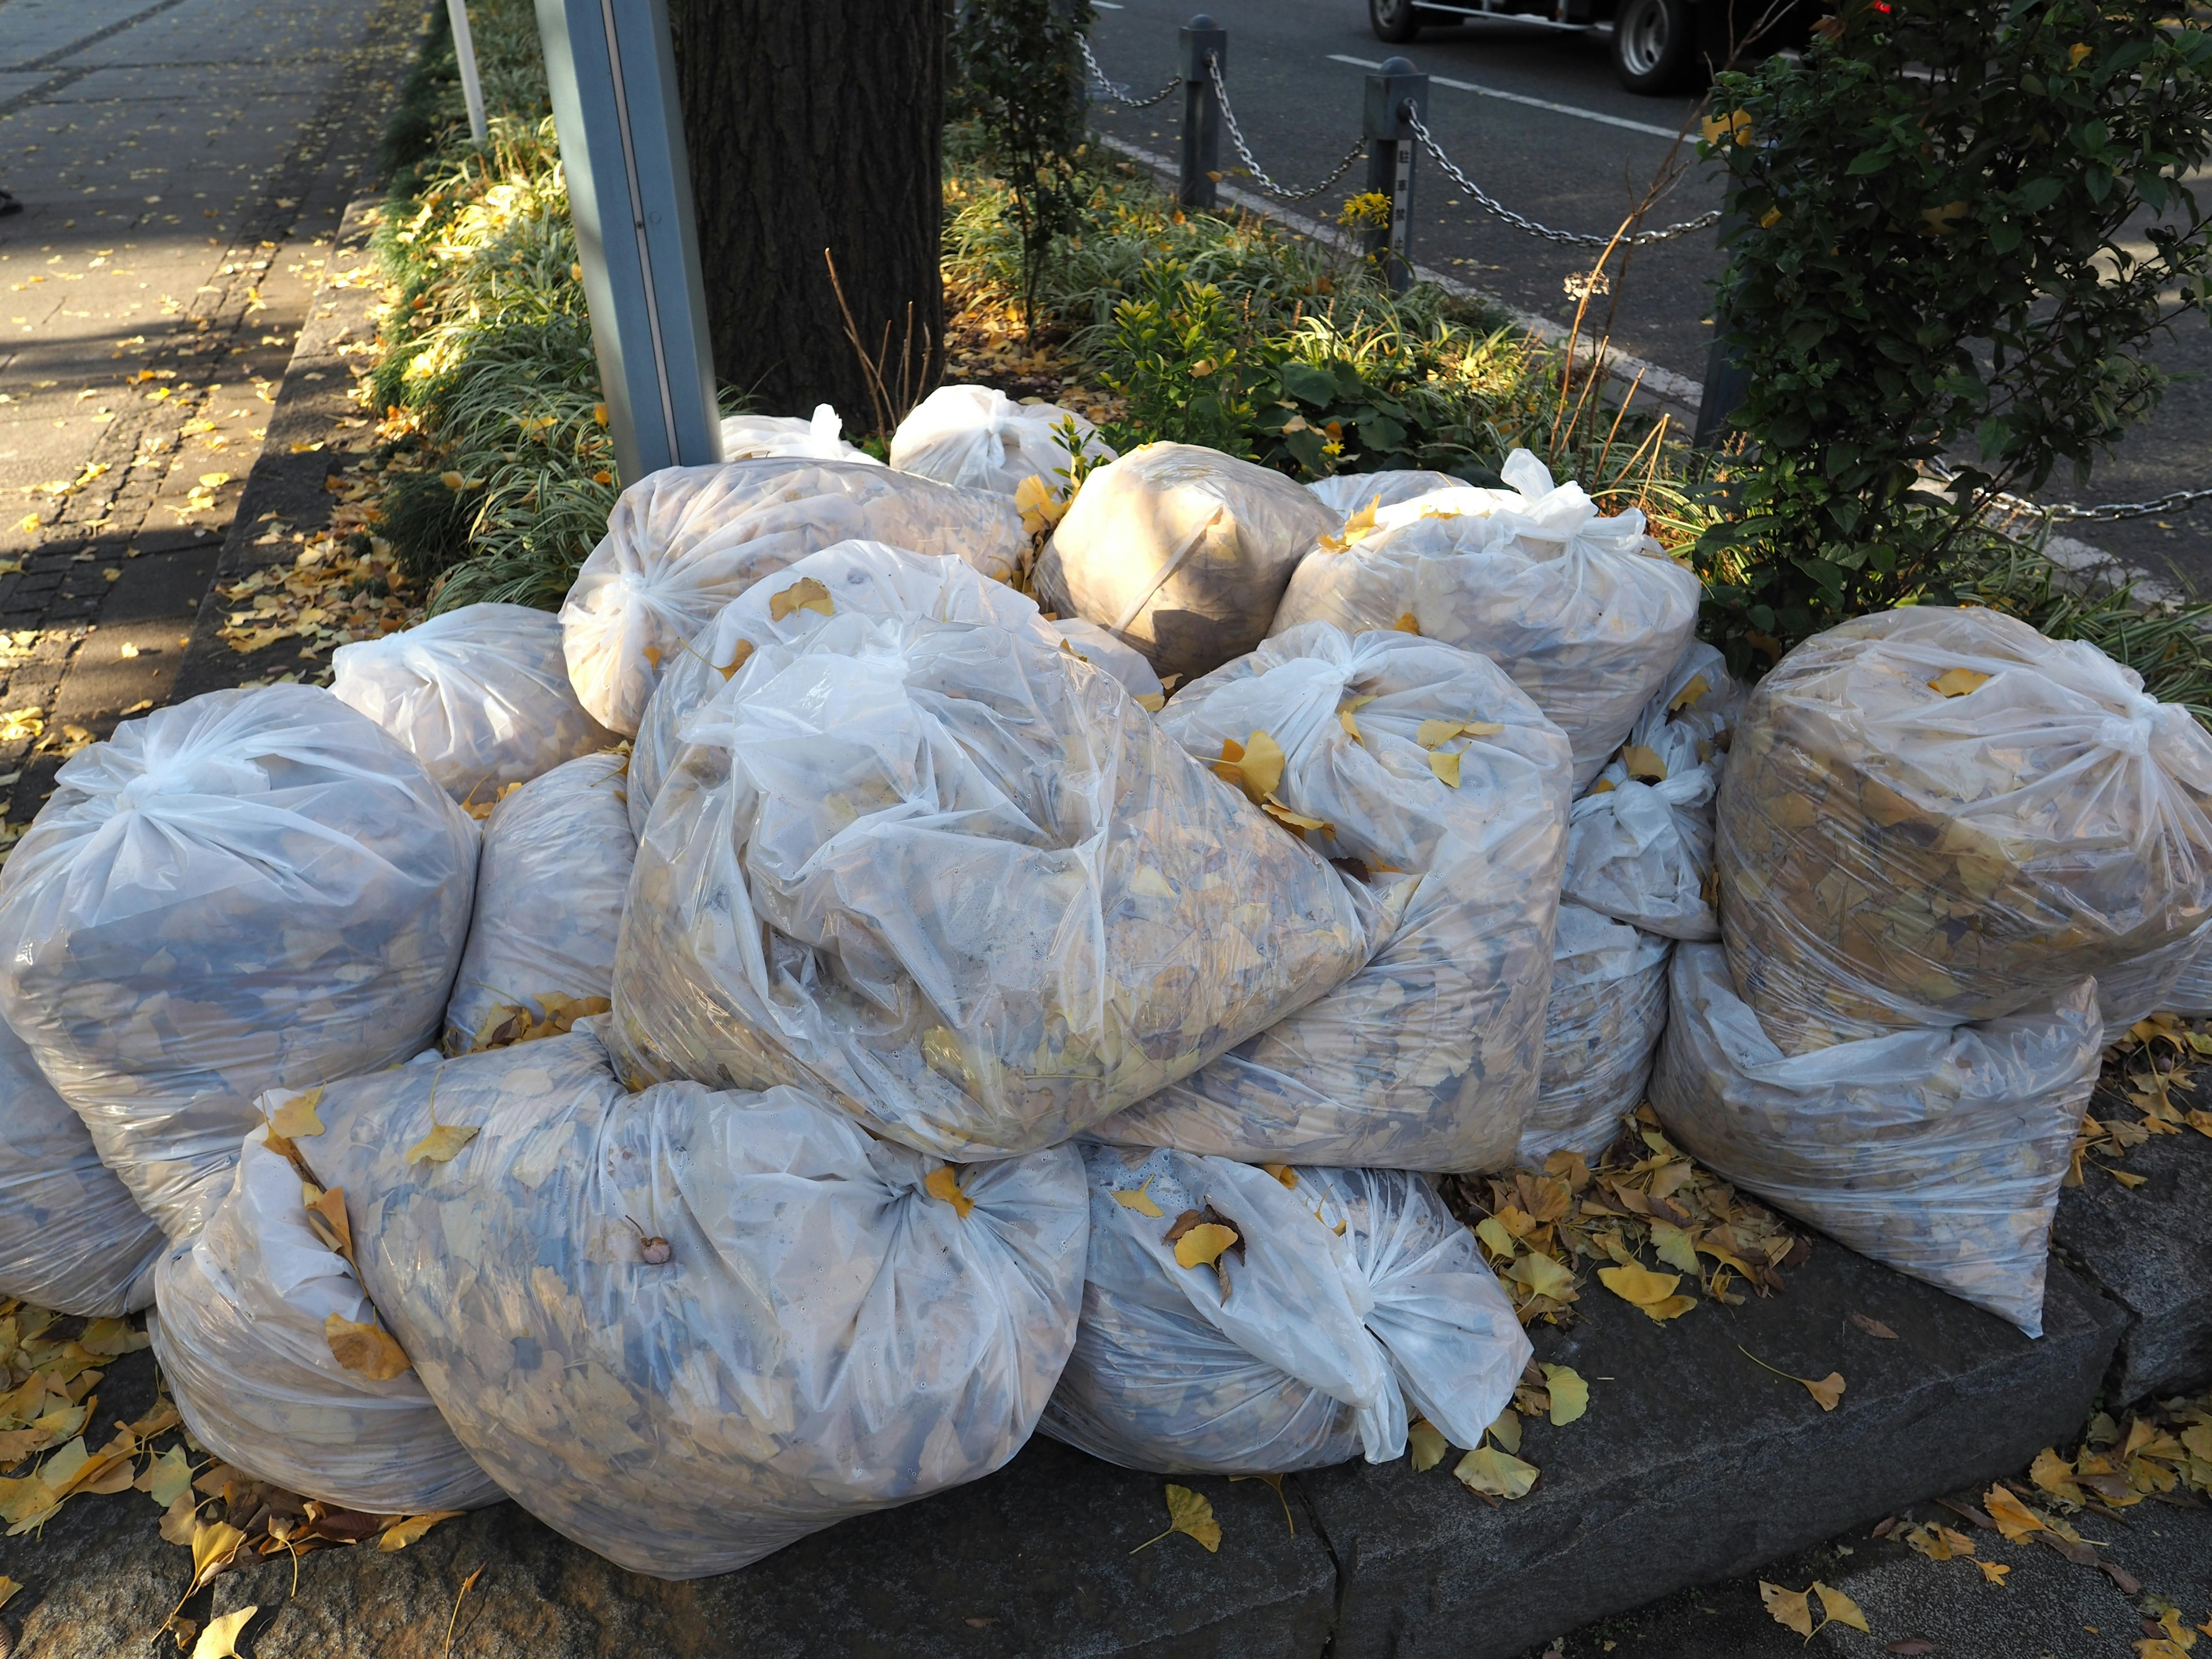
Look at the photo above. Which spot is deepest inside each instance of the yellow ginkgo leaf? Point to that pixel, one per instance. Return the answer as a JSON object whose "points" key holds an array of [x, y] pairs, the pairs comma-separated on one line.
{"points": [[651, 654], [1495, 1474], [1493, 1232], [1406, 625], [168, 1477], [1839, 1607], [1356, 528], [1430, 733], [1425, 1444], [2054, 1475], [327, 1217], [401, 1534], [2014, 1519], [1958, 681], [1138, 1199], [1151, 701], [740, 654], [1298, 821], [1698, 687], [1828, 1390], [807, 593], [219, 1638], [443, 1143], [1446, 766], [213, 1544], [1191, 1515], [8, 1587], [1643, 764], [365, 1350], [1995, 1571], [1202, 1245], [1545, 1277], [1283, 1173], [1347, 709], [1506, 1429], [944, 1181], [1653, 1292], [1570, 1393], [296, 1119], [1256, 765], [1787, 1607]]}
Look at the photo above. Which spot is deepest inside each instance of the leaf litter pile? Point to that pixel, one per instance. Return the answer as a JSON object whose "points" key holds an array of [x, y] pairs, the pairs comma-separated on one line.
{"points": [[2146, 1069]]}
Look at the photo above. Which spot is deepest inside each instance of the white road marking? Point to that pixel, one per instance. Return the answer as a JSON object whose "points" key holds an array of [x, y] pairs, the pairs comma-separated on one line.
{"points": [[1517, 98]]}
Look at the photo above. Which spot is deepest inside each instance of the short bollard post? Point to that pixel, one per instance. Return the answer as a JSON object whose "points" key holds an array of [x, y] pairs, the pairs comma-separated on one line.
{"points": [[1726, 380], [1198, 160], [1392, 91]]}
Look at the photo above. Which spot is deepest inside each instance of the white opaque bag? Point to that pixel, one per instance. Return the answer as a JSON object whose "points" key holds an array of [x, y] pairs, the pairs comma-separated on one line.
{"points": [[854, 576], [252, 889], [757, 437], [1348, 494], [551, 882], [1602, 1031], [1427, 1058], [1640, 842], [480, 695], [684, 1328], [684, 542], [242, 1334], [1181, 552], [1937, 1152], [1586, 613], [71, 1237], [956, 881], [978, 438], [1934, 815], [1350, 1302]]}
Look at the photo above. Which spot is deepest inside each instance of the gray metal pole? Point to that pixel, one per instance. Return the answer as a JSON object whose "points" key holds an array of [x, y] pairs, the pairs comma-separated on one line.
{"points": [[1198, 160], [1390, 162], [1726, 379], [465, 55], [611, 65]]}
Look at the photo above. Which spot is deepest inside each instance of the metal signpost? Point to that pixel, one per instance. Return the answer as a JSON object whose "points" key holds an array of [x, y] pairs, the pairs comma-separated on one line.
{"points": [[465, 55], [612, 68]]}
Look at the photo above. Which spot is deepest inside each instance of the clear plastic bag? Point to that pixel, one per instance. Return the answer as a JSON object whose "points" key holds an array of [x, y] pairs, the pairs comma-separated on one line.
{"points": [[1933, 815], [1349, 494], [685, 1329], [1602, 1031], [854, 576], [1427, 1057], [249, 890], [1351, 1301], [551, 882], [978, 438], [958, 882], [757, 437], [1938, 1152], [242, 1333], [1586, 613], [1102, 650], [1181, 552], [480, 695], [71, 1237], [682, 542]]}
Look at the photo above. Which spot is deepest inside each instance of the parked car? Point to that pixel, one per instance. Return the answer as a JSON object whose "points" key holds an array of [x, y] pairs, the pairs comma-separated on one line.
{"points": [[1658, 45]]}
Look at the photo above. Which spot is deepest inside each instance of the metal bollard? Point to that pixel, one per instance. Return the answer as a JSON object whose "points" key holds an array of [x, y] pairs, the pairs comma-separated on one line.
{"points": [[612, 69], [1198, 157], [1390, 162], [1726, 379]]}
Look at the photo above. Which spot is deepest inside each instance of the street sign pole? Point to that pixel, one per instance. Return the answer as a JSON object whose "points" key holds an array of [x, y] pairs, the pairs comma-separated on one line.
{"points": [[464, 57], [612, 64]]}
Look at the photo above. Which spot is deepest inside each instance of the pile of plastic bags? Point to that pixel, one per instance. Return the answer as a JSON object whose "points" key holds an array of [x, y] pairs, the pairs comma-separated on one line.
{"points": [[981, 439]]}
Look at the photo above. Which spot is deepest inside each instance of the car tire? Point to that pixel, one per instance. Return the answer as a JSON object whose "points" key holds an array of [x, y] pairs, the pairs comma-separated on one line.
{"points": [[1655, 45], [1395, 20]]}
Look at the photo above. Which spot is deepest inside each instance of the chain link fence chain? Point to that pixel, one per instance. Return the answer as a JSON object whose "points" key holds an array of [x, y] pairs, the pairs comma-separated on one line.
{"points": [[2069, 513], [1099, 81], [1244, 150], [1570, 238]]}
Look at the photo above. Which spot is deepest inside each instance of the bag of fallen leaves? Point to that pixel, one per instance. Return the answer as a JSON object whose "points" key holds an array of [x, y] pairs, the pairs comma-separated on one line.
{"points": [[1934, 815], [958, 882], [1586, 613], [1640, 842], [1350, 493], [252, 890], [1602, 1028], [280, 1365], [480, 695], [1937, 1151], [685, 1329], [1257, 1321], [1435, 785], [1181, 552], [866, 577], [551, 884], [682, 542], [756, 437], [71, 1237], [978, 438], [1102, 650]]}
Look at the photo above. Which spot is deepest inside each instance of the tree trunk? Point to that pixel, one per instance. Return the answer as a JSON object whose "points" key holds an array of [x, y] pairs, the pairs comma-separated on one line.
{"points": [[816, 127]]}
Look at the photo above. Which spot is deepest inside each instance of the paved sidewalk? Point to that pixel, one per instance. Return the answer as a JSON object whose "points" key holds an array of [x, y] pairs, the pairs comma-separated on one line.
{"points": [[184, 164]]}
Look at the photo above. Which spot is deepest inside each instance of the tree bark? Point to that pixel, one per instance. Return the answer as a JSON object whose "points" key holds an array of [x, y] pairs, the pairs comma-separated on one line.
{"points": [[815, 128]]}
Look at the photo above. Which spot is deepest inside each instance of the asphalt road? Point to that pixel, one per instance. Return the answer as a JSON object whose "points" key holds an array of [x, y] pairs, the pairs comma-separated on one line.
{"points": [[1296, 70]]}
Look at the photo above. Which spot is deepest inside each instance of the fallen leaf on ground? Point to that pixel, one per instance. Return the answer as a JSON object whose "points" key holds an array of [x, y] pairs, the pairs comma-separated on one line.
{"points": [[8, 1587], [1874, 1327], [1570, 1395], [1828, 1390], [1654, 1293], [1787, 1606], [1425, 1444], [2014, 1519], [2054, 1475], [1190, 1514], [400, 1536], [1839, 1607], [1495, 1474], [1275, 1481], [1506, 1429], [1995, 1571], [367, 1350], [220, 1639], [213, 1544]]}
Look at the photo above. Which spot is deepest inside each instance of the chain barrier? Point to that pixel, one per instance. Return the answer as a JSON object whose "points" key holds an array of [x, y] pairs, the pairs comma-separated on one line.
{"points": [[2072, 513], [1112, 89], [1244, 150], [1572, 238]]}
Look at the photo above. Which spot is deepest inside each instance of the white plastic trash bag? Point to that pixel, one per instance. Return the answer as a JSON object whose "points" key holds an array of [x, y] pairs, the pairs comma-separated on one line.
{"points": [[978, 438], [682, 542], [551, 885], [1415, 766], [252, 1322], [1181, 552], [756, 437], [685, 1329], [955, 880], [1938, 1152], [480, 695], [1934, 815], [1607, 1011], [852, 576], [71, 1237], [1101, 649], [1349, 494], [1586, 613], [1339, 1304], [249, 890]]}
